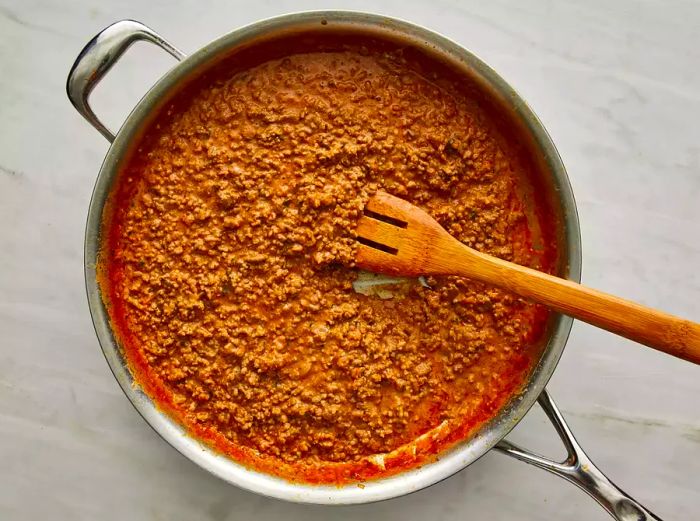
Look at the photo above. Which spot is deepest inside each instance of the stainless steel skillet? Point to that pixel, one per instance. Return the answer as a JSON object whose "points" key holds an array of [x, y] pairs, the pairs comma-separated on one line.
{"points": [[102, 52]]}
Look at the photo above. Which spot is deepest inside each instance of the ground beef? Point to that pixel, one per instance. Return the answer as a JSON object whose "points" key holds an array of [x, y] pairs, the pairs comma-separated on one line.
{"points": [[231, 259]]}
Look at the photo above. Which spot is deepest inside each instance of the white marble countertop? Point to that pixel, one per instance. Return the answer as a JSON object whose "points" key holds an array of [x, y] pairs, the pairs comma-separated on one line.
{"points": [[617, 84]]}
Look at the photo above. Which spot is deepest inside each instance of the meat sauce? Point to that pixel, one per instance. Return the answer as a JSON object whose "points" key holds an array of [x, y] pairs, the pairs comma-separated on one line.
{"points": [[228, 268]]}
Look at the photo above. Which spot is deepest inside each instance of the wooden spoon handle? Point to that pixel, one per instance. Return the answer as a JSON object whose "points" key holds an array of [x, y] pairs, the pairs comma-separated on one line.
{"points": [[667, 333]]}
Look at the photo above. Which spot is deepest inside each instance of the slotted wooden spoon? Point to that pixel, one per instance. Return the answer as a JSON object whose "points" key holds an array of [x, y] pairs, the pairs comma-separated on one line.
{"points": [[399, 238]]}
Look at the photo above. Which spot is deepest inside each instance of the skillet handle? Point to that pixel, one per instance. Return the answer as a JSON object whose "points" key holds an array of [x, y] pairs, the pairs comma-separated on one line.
{"points": [[98, 57], [578, 469]]}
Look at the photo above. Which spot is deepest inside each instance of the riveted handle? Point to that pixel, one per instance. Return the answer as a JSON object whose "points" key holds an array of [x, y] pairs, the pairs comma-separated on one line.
{"points": [[98, 57], [578, 469]]}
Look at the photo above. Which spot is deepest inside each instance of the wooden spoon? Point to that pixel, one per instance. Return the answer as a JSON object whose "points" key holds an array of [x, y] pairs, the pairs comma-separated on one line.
{"points": [[398, 238]]}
